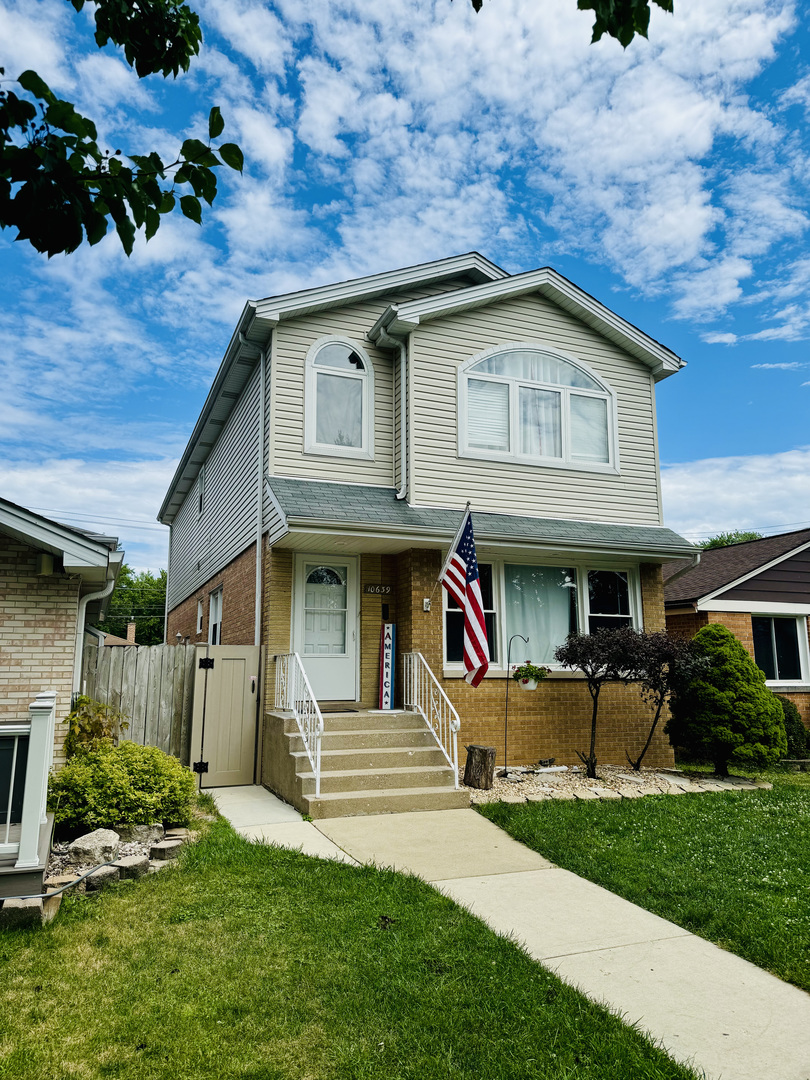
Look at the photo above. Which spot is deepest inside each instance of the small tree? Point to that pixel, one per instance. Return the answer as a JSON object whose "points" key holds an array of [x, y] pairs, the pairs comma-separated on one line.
{"points": [[798, 737], [663, 662], [727, 710], [724, 539], [606, 656]]}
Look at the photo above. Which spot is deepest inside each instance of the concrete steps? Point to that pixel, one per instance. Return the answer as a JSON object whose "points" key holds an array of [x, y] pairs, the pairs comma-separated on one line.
{"points": [[375, 763]]}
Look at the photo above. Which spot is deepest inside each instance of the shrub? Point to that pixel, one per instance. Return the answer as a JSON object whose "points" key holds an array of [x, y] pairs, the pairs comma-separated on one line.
{"points": [[92, 724], [126, 784], [727, 711], [798, 737]]}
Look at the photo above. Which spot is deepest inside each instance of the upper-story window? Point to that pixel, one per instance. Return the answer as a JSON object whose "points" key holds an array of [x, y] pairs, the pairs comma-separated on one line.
{"points": [[529, 404], [339, 400]]}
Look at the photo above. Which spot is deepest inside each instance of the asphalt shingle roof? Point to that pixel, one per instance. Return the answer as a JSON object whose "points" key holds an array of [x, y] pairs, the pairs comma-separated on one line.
{"points": [[355, 503], [721, 566]]}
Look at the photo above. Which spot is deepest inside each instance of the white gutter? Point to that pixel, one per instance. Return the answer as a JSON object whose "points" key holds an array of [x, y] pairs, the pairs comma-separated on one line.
{"points": [[384, 338], [257, 624], [82, 614]]}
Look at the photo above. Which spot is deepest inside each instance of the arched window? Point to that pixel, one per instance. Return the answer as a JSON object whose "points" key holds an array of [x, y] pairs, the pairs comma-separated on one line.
{"points": [[527, 403], [339, 400]]}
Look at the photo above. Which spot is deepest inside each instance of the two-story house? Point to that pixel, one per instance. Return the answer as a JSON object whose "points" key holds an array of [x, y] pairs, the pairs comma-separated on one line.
{"points": [[346, 430]]}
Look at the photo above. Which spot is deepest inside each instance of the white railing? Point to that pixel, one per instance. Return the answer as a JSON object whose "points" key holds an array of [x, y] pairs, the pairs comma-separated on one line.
{"points": [[294, 696], [423, 693], [26, 763]]}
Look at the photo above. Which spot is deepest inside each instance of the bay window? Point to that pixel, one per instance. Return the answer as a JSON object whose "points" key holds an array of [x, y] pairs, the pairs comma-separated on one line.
{"points": [[530, 404], [544, 604]]}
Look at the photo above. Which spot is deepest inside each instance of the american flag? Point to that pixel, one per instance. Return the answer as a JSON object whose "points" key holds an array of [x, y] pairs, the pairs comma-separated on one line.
{"points": [[460, 578]]}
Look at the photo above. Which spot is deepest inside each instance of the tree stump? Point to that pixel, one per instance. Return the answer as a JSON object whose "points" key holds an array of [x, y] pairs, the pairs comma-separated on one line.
{"points": [[480, 768]]}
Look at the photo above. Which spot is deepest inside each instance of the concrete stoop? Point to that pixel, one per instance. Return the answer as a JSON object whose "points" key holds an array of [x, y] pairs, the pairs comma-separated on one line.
{"points": [[375, 763]]}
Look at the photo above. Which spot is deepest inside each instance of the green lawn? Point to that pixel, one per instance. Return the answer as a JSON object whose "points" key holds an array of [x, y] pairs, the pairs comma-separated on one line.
{"points": [[260, 964], [732, 867]]}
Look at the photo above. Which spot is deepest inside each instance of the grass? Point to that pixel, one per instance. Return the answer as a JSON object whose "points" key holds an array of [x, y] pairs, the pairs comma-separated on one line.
{"points": [[731, 867], [257, 963]]}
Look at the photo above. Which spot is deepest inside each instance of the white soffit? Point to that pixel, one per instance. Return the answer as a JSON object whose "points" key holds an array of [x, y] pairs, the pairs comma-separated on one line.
{"points": [[403, 318], [80, 554]]}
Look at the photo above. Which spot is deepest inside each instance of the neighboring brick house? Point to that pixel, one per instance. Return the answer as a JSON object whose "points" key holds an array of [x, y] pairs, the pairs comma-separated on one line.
{"points": [[53, 580], [346, 429], [760, 590]]}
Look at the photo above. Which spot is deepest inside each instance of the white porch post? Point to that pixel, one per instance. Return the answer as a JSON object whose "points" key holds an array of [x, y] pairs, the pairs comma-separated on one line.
{"points": [[40, 755]]}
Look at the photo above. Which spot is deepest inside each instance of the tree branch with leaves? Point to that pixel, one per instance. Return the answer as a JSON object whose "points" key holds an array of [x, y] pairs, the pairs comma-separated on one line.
{"points": [[58, 188]]}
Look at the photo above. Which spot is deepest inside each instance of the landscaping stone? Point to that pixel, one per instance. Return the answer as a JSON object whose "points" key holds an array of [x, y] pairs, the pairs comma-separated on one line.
{"points": [[584, 794], [627, 791], [58, 880], [16, 913], [166, 849], [105, 875], [605, 793], [763, 785], [96, 847], [540, 796], [159, 864], [132, 866], [50, 907], [141, 834], [512, 798]]}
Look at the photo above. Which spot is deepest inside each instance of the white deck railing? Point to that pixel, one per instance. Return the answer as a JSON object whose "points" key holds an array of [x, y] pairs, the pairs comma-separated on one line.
{"points": [[424, 694], [294, 696], [26, 764]]}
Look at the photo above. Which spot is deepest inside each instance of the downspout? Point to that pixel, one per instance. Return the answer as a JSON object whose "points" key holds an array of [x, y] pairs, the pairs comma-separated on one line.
{"points": [[79, 652], [257, 627], [384, 338]]}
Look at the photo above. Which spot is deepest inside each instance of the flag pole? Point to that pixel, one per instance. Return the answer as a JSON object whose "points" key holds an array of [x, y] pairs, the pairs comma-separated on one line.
{"points": [[459, 531]]}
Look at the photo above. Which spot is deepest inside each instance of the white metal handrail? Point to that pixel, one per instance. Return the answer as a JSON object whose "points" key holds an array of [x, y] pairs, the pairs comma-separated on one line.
{"points": [[294, 695], [424, 693], [21, 838]]}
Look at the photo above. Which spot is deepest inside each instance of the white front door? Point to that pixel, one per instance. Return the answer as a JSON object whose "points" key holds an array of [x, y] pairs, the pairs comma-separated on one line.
{"points": [[325, 630]]}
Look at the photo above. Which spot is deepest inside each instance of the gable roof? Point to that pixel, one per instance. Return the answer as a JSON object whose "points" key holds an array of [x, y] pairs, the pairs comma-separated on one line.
{"points": [[313, 505], [92, 557], [254, 327], [723, 567], [401, 319]]}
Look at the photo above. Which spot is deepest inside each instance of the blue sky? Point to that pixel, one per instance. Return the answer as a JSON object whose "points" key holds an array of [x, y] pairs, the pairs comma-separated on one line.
{"points": [[669, 180]]}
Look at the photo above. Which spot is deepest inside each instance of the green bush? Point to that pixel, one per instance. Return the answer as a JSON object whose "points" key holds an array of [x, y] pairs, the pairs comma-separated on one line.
{"points": [[727, 711], [797, 734], [92, 724], [126, 784]]}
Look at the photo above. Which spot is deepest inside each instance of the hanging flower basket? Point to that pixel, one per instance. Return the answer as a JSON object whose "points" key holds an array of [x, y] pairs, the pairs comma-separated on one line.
{"points": [[528, 675]]}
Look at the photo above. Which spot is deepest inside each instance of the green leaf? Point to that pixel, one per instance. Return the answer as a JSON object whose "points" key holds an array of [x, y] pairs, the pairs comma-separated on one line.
{"points": [[126, 233], [95, 226], [216, 124], [232, 156], [193, 150], [30, 81], [152, 222], [191, 208], [167, 203]]}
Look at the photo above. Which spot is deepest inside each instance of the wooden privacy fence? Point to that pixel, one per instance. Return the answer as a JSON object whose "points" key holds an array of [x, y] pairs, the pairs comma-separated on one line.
{"points": [[152, 685]]}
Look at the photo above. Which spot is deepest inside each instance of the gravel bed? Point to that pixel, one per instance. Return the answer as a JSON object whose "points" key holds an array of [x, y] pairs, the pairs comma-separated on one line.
{"points": [[59, 864], [527, 784]]}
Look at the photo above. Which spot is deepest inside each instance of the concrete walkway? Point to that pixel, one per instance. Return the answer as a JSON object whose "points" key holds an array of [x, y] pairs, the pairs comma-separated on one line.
{"points": [[708, 1008]]}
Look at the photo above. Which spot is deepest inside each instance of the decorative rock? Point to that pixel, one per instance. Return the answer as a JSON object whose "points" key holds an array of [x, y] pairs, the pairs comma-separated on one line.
{"points": [[512, 798], [167, 849], [17, 913], [629, 778], [763, 785], [132, 866], [59, 880], [50, 906], [141, 834], [95, 847], [105, 875], [159, 864]]}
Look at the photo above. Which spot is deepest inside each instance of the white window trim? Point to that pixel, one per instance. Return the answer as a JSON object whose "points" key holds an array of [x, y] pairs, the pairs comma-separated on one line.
{"points": [[311, 446], [804, 648], [455, 669], [215, 597], [513, 455], [199, 616]]}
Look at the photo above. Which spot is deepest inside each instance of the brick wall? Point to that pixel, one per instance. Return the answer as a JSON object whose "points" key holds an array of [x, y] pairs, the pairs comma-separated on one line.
{"points": [[687, 623], [238, 581], [554, 720], [37, 636]]}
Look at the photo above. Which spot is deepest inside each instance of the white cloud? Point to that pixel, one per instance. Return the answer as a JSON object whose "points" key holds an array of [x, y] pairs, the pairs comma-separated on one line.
{"points": [[720, 338], [793, 365], [760, 491]]}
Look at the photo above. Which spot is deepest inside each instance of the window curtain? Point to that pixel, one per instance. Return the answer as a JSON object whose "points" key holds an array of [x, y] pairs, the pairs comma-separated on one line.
{"points": [[540, 605], [339, 411], [589, 434], [540, 433]]}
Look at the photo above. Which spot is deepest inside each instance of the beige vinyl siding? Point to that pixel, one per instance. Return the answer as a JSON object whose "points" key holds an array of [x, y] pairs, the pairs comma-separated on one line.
{"points": [[293, 340], [228, 522], [440, 477]]}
